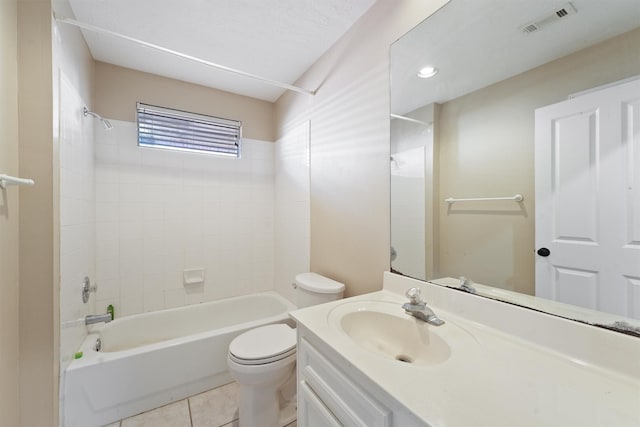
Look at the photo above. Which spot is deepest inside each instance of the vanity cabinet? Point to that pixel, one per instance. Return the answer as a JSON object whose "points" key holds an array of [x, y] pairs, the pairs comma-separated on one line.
{"points": [[332, 393]]}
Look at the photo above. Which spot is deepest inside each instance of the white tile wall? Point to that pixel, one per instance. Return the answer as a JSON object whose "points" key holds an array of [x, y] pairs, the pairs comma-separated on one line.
{"points": [[159, 212], [77, 218], [292, 208]]}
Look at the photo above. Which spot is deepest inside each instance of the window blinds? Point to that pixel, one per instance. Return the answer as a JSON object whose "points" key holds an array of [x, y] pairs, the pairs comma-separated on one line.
{"points": [[161, 127]]}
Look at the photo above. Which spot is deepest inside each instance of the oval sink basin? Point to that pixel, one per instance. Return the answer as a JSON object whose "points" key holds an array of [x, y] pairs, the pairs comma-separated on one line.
{"points": [[385, 329]]}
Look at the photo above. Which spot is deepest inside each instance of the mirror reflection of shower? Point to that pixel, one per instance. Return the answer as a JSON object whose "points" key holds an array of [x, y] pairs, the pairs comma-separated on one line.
{"points": [[105, 123], [410, 160]]}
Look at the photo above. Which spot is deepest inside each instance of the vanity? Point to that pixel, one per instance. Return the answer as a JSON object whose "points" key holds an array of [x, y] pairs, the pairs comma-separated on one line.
{"points": [[363, 361], [500, 116]]}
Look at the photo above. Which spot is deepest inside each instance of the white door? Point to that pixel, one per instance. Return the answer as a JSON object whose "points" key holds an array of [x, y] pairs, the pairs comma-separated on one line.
{"points": [[587, 168]]}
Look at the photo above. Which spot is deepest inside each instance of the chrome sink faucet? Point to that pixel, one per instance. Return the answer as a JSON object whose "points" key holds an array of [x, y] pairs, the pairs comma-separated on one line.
{"points": [[417, 308], [466, 285], [97, 318]]}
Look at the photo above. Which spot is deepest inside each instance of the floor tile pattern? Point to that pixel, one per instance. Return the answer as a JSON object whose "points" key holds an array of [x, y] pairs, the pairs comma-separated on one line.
{"points": [[213, 408]]}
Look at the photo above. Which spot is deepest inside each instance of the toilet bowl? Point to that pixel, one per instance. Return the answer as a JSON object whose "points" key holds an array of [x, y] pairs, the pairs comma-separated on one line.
{"points": [[263, 359]]}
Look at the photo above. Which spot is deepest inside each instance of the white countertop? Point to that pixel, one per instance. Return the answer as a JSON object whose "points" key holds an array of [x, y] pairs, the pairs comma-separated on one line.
{"points": [[492, 378]]}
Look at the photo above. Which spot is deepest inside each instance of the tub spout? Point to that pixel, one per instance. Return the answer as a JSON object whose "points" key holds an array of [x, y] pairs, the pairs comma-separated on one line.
{"points": [[97, 318]]}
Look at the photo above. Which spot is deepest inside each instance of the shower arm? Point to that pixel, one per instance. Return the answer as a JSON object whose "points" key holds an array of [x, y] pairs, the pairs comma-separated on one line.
{"points": [[106, 123]]}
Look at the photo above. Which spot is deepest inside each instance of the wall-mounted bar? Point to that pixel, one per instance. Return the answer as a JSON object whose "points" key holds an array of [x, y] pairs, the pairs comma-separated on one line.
{"points": [[100, 30], [12, 180], [514, 198]]}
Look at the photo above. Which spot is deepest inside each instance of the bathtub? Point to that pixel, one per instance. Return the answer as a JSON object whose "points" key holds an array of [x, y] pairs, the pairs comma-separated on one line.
{"points": [[152, 359]]}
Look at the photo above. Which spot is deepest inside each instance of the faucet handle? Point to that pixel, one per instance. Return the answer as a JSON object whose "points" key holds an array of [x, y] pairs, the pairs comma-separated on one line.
{"points": [[414, 296], [87, 289]]}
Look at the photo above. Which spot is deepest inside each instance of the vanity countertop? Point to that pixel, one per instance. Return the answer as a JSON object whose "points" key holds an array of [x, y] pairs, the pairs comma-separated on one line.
{"points": [[492, 378]]}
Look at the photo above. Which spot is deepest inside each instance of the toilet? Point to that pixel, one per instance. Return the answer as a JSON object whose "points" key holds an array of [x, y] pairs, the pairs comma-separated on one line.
{"points": [[263, 360]]}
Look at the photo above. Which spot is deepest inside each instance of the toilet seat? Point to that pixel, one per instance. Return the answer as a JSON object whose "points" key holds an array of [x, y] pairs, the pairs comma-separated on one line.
{"points": [[266, 344], [264, 361]]}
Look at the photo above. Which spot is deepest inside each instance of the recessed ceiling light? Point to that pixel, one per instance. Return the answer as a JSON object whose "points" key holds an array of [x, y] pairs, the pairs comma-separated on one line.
{"points": [[427, 72]]}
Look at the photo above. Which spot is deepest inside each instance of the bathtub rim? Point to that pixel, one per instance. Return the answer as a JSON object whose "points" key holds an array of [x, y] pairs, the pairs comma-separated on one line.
{"points": [[90, 356]]}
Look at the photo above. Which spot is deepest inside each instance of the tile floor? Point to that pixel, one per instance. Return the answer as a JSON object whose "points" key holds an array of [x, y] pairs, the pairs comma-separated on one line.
{"points": [[213, 408]]}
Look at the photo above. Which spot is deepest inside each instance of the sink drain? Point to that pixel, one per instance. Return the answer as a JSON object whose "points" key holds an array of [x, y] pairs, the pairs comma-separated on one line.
{"points": [[404, 358]]}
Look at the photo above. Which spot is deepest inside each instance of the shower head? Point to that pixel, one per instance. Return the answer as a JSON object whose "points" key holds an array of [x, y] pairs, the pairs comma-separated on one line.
{"points": [[107, 125]]}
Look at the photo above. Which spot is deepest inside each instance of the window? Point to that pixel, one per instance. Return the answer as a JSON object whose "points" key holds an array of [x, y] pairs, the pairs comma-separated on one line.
{"points": [[160, 127]]}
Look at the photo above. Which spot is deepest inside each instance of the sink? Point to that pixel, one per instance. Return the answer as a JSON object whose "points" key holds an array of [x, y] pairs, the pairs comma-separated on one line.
{"points": [[383, 328]]}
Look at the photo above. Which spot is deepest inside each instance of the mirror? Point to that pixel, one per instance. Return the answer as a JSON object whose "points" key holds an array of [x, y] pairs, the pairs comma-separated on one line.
{"points": [[502, 170]]}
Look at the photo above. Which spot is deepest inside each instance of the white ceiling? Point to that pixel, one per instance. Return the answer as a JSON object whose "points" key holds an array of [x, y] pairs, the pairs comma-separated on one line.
{"points": [[275, 39], [477, 43]]}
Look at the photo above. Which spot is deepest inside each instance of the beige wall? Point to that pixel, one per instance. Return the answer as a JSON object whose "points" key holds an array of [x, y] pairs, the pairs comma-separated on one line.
{"points": [[38, 298], [9, 214], [117, 90], [350, 144], [487, 147]]}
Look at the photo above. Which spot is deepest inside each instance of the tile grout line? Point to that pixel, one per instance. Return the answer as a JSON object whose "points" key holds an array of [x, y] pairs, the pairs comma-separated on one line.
{"points": [[189, 407]]}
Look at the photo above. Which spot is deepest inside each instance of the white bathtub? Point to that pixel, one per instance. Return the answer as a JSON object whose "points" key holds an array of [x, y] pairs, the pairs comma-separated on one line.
{"points": [[155, 358]]}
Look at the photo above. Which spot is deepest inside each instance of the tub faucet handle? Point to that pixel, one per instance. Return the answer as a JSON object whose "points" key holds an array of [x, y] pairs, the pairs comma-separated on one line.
{"points": [[87, 289]]}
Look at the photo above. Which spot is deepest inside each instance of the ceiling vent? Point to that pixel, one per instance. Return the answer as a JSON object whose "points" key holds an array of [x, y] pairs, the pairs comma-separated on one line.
{"points": [[557, 15]]}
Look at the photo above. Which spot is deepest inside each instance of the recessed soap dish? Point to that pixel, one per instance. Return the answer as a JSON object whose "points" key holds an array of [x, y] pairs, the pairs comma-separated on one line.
{"points": [[194, 276]]}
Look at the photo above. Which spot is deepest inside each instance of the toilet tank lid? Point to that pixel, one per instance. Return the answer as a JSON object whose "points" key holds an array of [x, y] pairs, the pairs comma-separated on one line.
{"points": [[316, 283]]}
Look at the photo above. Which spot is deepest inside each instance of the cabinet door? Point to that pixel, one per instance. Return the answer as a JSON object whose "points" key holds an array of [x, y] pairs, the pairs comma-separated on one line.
{"points": [[311, 411], [347, 400]]}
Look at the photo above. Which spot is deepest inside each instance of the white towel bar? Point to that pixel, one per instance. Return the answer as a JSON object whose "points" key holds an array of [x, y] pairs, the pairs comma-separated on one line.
{"points": [[12, 180], [515, 198]]}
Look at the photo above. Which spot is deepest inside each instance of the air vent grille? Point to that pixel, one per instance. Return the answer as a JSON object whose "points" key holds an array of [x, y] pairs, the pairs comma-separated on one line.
{"points": [[548, 19]]}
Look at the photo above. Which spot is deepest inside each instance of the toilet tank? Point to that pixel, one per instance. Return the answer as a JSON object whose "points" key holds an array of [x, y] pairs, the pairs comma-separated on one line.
{"points": [[313, 289]]}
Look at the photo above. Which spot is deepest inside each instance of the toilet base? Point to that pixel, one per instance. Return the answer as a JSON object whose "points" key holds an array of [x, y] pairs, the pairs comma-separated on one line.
{"points": [[264, 391], [267, 410], [288, 413]]}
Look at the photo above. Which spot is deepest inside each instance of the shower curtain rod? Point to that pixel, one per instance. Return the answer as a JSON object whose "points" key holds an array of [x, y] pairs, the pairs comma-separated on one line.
{"points": [[409, 119], [95, 29]]}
